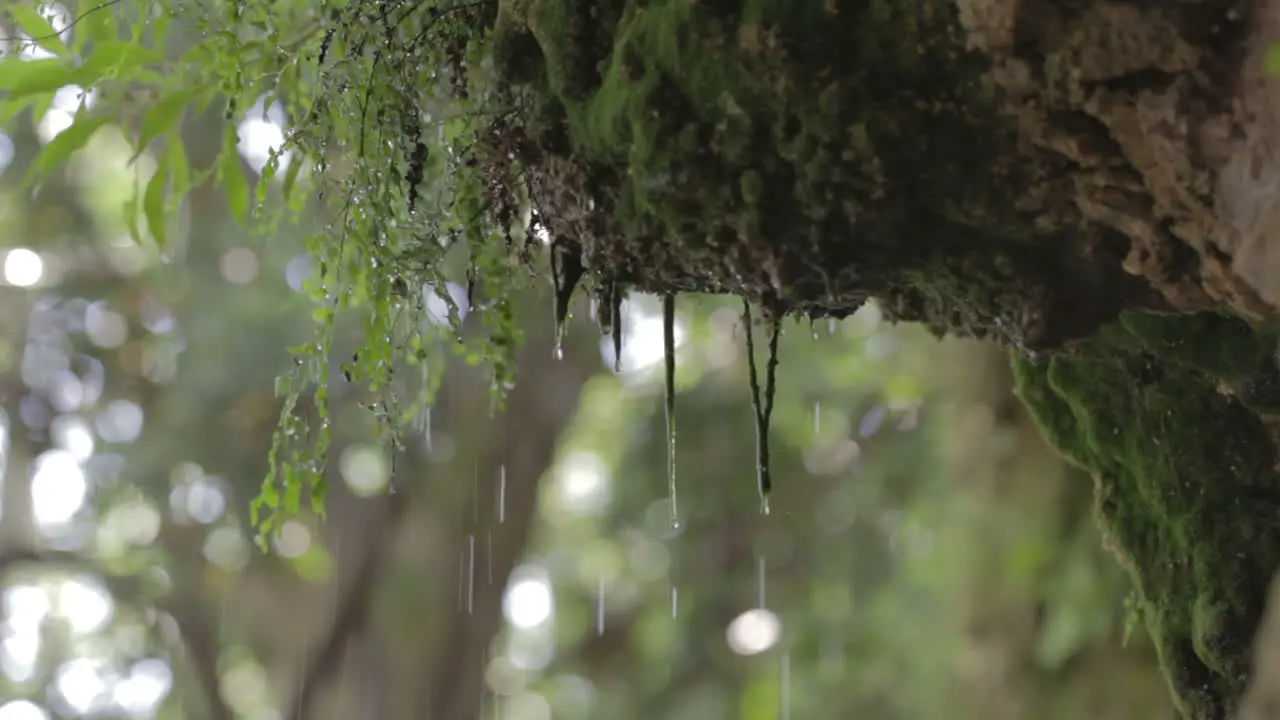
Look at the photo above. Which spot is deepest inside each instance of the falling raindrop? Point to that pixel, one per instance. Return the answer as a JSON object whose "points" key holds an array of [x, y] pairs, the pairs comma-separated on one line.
{"points": [[471, 573], [669, 355], [784, 696], [462, 579], [675, 602], [813, 329], [488, 535], [760, 581], [832, 326], [817, 418], [502, 492], [763, 409], [600, 606]]}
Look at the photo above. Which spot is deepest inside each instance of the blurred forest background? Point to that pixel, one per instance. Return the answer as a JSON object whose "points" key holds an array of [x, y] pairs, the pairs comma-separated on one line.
{"points": [[926, 555]]}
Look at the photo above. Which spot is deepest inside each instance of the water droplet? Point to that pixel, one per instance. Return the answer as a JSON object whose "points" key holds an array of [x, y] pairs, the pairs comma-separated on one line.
{"points": [[558, 353], [675, 602], [817, 418], [669, 357]]}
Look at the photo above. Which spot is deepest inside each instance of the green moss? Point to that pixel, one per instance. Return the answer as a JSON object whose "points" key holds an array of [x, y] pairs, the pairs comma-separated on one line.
{"points": [[1187, 487], [712, 129]]}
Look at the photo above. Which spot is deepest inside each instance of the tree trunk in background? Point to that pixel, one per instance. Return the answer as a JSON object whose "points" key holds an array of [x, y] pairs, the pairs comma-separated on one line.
{"points": [[1031, 170]]}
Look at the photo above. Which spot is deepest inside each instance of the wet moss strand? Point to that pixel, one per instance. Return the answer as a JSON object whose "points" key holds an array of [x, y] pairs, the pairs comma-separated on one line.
{"points": [[669, 357], [763, 408]]}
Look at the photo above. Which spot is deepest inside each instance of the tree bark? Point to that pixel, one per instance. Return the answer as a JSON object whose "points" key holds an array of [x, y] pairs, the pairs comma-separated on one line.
{"points": [[1091, 181]]}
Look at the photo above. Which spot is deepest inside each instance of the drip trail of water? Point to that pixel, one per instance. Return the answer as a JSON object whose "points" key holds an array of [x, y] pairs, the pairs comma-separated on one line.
{"points": [[502, 493], [669, 357], [615, 298], [471, 574], [566, 271]]}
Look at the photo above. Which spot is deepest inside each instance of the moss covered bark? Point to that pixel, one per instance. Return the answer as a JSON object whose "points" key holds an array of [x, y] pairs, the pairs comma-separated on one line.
{"points": [[815, 153], [1047, 173], [1171, 414]]}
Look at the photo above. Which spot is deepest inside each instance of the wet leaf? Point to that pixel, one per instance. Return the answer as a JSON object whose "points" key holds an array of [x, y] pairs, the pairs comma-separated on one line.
{"points": [[231, 173], [23, 79], [109, 58], [153, 201], [58, 150], [163, 117]]}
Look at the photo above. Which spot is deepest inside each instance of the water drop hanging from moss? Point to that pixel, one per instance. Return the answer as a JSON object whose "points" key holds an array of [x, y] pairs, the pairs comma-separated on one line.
{"points": [[763, 409], [669, 359], [566, 271]]}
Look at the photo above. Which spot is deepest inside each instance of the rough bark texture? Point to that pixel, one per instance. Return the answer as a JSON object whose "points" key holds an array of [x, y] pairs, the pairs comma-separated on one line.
{"points": [[1093, 182]]}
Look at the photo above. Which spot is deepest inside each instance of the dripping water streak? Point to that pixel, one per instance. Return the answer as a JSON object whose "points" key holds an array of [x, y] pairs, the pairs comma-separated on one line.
{"points": [[600, 607], [462, 580], [502, 493], [669, 356], [566, 271], [615, 297], [471, 573], [675, 602], [817, 419], [488, 534]]}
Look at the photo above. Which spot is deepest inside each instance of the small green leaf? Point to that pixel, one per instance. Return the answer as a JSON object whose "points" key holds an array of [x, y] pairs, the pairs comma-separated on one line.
{"points": [[110, 57], [37, 27], [162, 117], [60, 148], [153, 201], [232, 176], [31, 77]]}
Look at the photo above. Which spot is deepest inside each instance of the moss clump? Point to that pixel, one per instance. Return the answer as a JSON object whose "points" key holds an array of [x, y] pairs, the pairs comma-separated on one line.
{"points": [[1168, 414], [820, 151]]}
